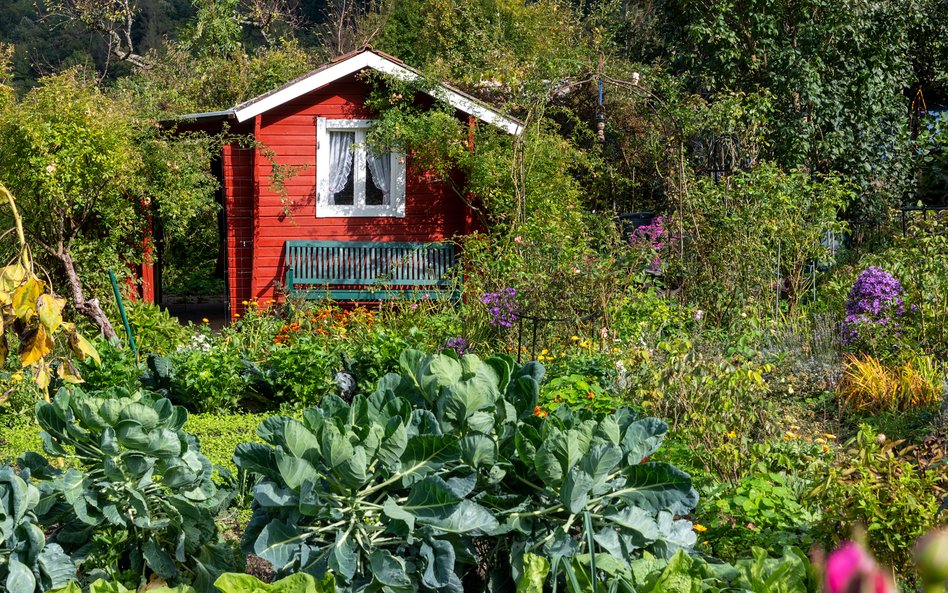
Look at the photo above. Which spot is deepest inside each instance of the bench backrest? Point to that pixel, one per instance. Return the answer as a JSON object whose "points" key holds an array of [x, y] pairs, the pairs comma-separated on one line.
{"points": [[367, 262]]}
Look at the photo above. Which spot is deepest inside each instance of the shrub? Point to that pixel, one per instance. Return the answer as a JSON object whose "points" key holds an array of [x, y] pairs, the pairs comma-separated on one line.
{"points": [[752, 235], [118, 369], [212, 377], [142, 498], [876, 485], [719, 406], [301, 373], [445, 467], [577, 392], [155, 330]]}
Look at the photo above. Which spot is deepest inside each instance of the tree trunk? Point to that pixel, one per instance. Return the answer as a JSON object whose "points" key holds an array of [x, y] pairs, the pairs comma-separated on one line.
{"points": [[90, 308]]}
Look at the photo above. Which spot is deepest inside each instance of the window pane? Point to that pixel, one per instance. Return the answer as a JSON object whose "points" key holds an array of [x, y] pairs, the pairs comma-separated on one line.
{"points": [[380, 179], [373, 195], [346, 196], [341, 174]]}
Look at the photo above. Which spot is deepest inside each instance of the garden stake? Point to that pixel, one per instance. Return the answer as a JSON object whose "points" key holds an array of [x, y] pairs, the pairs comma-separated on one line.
{"points": [[121, 306]]}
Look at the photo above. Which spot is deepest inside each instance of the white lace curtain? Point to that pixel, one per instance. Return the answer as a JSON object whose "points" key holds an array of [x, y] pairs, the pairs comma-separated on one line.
{"points": [[380, 168], [340, 161]]}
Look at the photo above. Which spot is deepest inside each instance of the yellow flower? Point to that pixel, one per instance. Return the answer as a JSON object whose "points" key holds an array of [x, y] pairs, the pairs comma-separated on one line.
{"points": [[731, 435], [205, 320], [821, 441], [826, 448], [574, 338], [236, 314], [544, 351], [699, 528], [792, 435], [541, 357], [16, 377], [829, 436], [245, 303]]}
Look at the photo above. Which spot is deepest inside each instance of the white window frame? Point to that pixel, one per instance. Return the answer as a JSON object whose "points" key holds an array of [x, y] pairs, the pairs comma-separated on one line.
{"points": [[324, 209]]}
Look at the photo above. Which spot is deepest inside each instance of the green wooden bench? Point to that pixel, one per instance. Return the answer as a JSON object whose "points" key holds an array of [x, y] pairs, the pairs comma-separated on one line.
{"points": [[367, 270]]}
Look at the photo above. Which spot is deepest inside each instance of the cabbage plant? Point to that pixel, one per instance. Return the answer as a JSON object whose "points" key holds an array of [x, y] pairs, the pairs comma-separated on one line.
{"points": [[444, 477], [27, 562], [138, 497]]}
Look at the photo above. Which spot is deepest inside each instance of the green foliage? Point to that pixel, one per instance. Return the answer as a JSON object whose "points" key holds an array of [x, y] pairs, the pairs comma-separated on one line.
{"points": [[220, 433], [763, 510], [834, 75], [18, 438], [879, 487], [915, 260], [209, 377], [448, 452], [300, 582], [737, 232], [301, 374], [85, 167], [577, 392], [155, 330], [515, 43], [789, 573], [721, 406], [118, 369], [142, 499], [27, 562]]}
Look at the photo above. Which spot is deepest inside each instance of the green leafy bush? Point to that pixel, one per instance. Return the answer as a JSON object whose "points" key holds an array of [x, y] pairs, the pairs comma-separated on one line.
{"points": [[155, 330], [301, 374], [447, 466], [763, 510], [27, 562], [577, 392], [877, 485], [118, 369], [734, 231], [210, 378], [141, 500]]}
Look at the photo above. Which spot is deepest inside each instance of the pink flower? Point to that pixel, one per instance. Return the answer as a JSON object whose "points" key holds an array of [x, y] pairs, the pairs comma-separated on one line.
{"points": [[518, 240], [851, 565]]}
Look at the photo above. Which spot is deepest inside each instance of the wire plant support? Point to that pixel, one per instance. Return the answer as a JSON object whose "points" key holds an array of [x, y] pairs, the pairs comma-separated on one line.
{"points": [[536, 321]]}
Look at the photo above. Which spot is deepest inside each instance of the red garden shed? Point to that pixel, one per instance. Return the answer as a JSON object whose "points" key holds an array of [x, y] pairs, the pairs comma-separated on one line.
{"points": [[346, 213]]}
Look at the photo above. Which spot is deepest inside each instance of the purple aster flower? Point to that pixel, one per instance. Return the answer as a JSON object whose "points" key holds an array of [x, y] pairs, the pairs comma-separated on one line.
{"points": [[875, 298], [501, 307], [458, 344]]}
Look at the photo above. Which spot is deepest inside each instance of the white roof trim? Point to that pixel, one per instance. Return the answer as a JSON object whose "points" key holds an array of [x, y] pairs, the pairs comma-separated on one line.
{"points": [[368, 59]]}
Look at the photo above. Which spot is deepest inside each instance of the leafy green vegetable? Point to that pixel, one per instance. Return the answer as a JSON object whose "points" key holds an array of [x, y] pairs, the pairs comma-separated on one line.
{"points": [[143, 499], [445, 466], [27, 563]]}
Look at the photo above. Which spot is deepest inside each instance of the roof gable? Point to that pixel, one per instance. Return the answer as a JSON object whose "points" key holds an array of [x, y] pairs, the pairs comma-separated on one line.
{"points": [[376, 61]]}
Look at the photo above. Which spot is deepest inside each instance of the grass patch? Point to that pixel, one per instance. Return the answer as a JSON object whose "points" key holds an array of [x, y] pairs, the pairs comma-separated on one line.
{"points": [[219, 434], [18, 438]]}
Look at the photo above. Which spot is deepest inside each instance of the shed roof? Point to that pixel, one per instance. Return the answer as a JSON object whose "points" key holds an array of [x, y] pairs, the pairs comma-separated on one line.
{"points": [[349, 64]]}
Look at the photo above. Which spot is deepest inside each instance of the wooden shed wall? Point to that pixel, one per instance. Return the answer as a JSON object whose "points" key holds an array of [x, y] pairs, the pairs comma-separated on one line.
{"points": [[238, 184], [432, 211]]}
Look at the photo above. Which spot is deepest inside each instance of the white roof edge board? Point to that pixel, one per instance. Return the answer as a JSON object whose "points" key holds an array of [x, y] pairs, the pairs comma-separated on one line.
{"points": [[368, 59]]}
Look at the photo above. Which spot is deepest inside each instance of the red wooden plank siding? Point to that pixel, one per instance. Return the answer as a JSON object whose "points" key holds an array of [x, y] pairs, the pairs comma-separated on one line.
{"points": [[238, 205], [432, 212]]}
